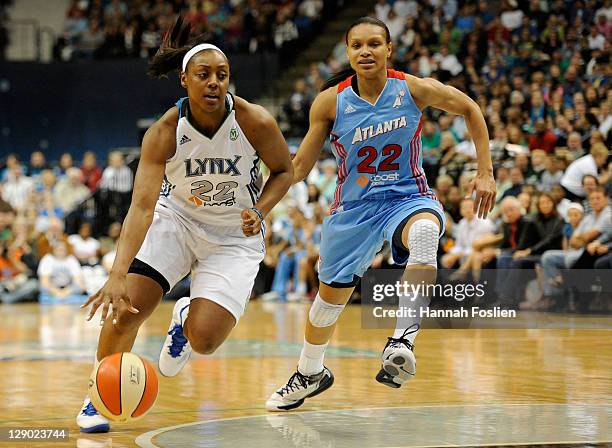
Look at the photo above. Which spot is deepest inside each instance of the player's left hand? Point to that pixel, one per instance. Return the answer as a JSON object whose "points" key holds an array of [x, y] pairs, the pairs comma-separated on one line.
{"points": [[251, 222], [484, 191]]}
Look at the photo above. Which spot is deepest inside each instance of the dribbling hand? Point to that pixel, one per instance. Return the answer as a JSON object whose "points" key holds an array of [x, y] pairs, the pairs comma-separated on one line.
{"points": [[112, 293], [482, 189], [251, 222]]}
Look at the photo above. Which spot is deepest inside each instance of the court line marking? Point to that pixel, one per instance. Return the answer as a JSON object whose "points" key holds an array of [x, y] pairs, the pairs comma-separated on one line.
{"points": [[145, 440]]}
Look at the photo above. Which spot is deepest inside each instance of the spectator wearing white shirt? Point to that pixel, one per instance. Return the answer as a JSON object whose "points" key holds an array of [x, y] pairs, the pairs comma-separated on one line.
{"points": [[447, 61], [84, 246], [60, 276], [406, 8], [395, 23], [381, 9], [596, 40], [512, 17], [17, 188], [589, 164], [469, 229]]}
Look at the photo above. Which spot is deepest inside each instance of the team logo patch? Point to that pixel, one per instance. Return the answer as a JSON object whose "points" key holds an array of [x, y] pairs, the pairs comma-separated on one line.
{"points": [[233, 134], [184, 139]]}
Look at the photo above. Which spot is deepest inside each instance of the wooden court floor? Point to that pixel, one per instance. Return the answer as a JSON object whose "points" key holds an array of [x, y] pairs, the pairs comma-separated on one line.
{"points": [[475, 379]]}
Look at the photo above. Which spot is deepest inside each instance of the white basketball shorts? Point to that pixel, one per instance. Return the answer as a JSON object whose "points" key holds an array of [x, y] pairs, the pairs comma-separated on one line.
{"points": [[223, 262]]}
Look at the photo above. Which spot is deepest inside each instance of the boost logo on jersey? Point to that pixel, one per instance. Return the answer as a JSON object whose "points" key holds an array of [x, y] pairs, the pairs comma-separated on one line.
{"points": [[381, 179]]}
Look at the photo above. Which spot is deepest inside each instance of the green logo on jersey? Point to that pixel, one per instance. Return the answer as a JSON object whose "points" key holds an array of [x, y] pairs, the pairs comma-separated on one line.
{"points": [[233, 134]]}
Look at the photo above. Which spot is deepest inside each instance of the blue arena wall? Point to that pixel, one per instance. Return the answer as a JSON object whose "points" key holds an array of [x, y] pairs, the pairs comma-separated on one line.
{"points": [[95, 105]]}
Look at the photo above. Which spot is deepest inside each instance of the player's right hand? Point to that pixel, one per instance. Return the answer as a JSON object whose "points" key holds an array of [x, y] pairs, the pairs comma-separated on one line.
{"points": [[112, 293]]}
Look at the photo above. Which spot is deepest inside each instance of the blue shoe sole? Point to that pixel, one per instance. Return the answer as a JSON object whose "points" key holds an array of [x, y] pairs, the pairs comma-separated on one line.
{"points": [[105, 427]]}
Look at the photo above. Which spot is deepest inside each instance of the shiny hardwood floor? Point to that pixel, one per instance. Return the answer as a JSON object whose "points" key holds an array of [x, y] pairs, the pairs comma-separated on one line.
{"points": [[46, 354]]}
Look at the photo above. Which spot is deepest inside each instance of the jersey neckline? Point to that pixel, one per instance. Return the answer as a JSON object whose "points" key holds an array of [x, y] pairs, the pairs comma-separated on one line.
{"points": [[354, 81], [229, 104]]}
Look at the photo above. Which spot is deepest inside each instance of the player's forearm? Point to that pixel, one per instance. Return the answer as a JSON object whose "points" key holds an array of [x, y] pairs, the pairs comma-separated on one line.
{"points": [[478, 130], [301, 169], [274, 190], [135, 227]]}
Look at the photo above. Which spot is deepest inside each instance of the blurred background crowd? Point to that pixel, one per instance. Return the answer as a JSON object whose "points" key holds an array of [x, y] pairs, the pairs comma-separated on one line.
{"points": [[539, 70]]}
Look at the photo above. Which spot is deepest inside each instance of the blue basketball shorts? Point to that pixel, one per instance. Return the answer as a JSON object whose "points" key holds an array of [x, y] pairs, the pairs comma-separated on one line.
{"points": [[353, 235]]}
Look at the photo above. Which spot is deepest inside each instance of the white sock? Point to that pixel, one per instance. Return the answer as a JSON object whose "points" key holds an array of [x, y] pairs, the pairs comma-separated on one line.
{"points": [[406, 322], [311, 358]]}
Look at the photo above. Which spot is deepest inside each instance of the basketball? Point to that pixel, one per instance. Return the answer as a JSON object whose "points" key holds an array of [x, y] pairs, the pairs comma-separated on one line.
{"points": [[123, 387]]}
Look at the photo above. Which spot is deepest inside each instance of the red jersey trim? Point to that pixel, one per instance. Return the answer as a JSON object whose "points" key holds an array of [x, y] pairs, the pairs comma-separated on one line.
{"points": [[395, 74], [346, 83]]}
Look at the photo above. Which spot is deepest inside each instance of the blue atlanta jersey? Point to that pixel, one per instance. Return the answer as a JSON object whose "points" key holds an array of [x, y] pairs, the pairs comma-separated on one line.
{"points": [[378, 146]]}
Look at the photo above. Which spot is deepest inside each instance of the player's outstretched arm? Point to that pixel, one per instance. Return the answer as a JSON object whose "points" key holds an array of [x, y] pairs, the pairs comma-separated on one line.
{"points": [[430, 92], [263, 133], [322, 115], [158, 145]]}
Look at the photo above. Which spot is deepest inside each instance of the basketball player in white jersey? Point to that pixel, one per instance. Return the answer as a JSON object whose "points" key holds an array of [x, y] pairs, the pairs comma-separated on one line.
{"points": [[204, 156]]}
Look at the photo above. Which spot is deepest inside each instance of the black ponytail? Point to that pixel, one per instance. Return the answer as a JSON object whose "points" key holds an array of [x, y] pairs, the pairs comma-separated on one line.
{"points": [[337, 78], [173, 48], [349, 71]]}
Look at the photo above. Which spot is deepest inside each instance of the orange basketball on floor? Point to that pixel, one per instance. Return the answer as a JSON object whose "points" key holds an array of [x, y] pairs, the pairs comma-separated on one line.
{"points": [[123, 387]]}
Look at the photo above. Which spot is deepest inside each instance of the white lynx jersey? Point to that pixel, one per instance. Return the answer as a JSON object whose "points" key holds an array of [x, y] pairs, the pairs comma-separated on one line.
{"points": [[211, 180]]}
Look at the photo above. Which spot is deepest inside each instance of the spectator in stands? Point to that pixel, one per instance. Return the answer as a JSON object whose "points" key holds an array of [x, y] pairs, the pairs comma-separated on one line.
{"points": [[65, 162], [12, 161], [53, 234], [589, 229], [92, 173], [37, 164], [517, 181], [108, 242], [326, 182], [543, 138], [548, 236], [60, 276], [84, 247], [7, 217], [552, 173], [17, 189], [15, 285], [297, 107], [290, 257], [70, 191], [469, 229], [589, 164], [574, 145], [90, 41], [117, 182]]}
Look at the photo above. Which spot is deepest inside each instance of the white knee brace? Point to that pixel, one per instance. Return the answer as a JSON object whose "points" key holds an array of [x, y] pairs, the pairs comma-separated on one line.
{"points": [[323, 314], [423, 242]]}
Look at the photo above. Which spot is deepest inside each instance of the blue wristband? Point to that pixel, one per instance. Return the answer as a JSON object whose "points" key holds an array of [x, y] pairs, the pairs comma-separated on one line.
{"points": [[258, 213]]}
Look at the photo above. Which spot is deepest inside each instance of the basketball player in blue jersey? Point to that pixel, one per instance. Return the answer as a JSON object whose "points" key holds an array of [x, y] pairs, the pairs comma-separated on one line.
{"points": [[204, 156], [373, 115]]}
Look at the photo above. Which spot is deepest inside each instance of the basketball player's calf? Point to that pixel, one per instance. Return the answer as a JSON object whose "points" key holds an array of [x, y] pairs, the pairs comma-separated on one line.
{"points": [[199, 325], [312, 377], [398, 362]]}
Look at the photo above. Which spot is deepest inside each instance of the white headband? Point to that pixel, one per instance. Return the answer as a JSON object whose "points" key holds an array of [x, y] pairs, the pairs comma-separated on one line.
{"points": [[197, 49]]}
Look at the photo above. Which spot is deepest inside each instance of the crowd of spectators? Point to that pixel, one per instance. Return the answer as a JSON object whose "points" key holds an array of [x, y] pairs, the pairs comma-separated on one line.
{"points": [[540, 72], [104, 29], [48, 215]]}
